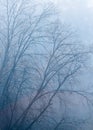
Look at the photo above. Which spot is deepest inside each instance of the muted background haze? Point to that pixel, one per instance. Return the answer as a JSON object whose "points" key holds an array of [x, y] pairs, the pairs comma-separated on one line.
{"points": [[78, 13]]}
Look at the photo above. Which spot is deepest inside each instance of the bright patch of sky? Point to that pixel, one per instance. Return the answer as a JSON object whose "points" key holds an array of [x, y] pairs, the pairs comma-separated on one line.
{"points": [[78, 13]]}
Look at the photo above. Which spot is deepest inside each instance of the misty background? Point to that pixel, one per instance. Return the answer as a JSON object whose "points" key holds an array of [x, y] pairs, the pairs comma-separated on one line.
{"points": [[46, 65], [79, 14]]}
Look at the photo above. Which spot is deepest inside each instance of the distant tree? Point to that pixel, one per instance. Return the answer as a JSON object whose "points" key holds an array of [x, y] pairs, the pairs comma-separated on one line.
{"points": [[38, 57]]}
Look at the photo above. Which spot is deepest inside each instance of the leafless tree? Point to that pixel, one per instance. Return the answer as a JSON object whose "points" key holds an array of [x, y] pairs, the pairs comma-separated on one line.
{"points": [[38, 57]]}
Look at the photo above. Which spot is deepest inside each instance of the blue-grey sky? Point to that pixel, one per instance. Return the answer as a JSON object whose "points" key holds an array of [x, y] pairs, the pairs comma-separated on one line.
{"points": [[78, 13]]}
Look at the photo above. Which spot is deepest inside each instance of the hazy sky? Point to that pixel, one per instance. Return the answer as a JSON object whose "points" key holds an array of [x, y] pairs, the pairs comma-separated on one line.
{"points": [[78, 13]]}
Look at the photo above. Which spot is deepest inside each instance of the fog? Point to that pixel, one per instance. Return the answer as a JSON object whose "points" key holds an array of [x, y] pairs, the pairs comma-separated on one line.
{"points": [[78, 13], [46, 65]]}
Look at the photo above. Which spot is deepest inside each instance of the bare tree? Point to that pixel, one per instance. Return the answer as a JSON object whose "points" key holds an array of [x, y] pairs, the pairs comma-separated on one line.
{"points": [[39, 56]]}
